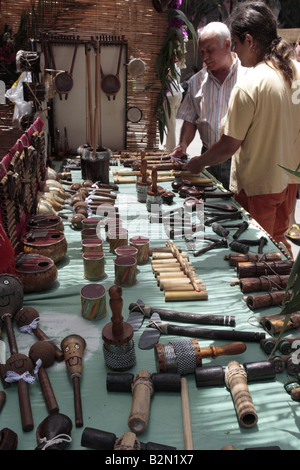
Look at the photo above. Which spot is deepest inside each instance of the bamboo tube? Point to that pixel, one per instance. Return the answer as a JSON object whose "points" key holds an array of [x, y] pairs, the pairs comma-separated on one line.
{"points": [[161, 249], [142, 390], [186, 416], [166, 261], [273, 323], [170, 269], [171, 296], [235, 258], [249, 269], [236, 382], [266, 300], [166, 256], [188, 286], [175, 276], [263, 283]]}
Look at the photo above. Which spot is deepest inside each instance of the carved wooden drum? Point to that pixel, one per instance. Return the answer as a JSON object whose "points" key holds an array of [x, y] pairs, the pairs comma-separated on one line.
{"points": [[41, 221], [36, 272], [49, 242]]}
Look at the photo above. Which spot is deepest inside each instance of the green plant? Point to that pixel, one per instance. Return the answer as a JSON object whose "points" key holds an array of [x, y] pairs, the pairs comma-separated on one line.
{"points": [[293, 304], [293, 172], [293, 285]]}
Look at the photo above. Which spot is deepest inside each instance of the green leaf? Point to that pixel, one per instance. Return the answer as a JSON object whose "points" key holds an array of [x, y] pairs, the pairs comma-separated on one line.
{"points": [[293, 172]]}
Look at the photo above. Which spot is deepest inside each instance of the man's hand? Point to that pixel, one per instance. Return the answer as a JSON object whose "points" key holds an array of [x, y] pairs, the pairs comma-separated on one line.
{"points": [[194, 165], [178, 152]]}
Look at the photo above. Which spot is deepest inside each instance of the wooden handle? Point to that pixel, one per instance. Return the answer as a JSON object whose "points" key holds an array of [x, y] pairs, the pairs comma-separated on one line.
{"points": [[10, 334], [116, 305], [77, 402], [59, 355], [226, 350], [47, 390], [144, 170], [186, 416], [25, 406], [154, 180]]}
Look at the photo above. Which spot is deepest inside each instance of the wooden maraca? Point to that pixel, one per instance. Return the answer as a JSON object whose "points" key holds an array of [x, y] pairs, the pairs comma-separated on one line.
{"points": [[17, 369], [27, 319], [118, 346], [11, 300], [54, 432], [73, 347], [42, 355]]}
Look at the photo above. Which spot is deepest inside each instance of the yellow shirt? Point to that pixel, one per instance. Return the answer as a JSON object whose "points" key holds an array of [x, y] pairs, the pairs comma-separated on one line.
{"points": [[264, 112]]}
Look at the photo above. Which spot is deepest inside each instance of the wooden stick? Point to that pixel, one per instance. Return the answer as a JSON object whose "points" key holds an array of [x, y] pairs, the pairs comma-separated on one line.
{"points": [[89, 86], [127, 179], [186, 416]]}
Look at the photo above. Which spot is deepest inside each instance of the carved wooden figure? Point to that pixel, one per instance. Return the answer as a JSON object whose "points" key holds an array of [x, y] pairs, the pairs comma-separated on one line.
{"points": [[73, 347], [11, 300]]}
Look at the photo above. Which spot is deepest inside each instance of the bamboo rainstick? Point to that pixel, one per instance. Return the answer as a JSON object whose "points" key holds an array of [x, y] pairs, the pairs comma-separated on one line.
{"points": [[236, 382], [143, 386]]}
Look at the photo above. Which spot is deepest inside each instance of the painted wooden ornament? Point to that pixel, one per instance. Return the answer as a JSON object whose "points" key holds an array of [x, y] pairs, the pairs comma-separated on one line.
{"points": [[37, 272], [11, 300], [48, 242], [73, 347]]}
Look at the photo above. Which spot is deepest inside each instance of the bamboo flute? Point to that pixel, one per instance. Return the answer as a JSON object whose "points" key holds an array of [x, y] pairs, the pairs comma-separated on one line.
{"points": [[236, 382]]}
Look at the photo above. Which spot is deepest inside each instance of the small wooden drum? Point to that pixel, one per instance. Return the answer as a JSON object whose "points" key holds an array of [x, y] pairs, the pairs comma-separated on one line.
{"points": [[41, 221], [50, 243], [36, 272]]}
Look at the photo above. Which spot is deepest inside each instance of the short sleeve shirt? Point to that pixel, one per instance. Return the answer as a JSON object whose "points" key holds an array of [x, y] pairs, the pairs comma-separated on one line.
{"points": [[264, 112]]}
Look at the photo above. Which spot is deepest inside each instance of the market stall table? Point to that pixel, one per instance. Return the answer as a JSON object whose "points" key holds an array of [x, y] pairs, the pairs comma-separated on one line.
{"points": [[213, 417]]}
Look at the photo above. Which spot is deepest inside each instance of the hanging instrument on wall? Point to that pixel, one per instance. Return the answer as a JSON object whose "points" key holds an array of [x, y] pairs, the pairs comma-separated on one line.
{"points": [[110, 83], [63, 80]]}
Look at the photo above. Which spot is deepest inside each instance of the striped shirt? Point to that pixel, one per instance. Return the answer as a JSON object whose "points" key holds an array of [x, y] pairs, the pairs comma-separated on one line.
{"points": [[206, 102]]}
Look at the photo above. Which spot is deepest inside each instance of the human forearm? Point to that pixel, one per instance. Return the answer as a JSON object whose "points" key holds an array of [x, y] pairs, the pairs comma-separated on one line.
{"points": [[216, 154], [187, 134]]}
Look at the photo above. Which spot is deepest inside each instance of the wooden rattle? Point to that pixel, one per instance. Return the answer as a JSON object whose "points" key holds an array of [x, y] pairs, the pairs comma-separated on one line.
{"points": [[27, 319], [17, 369], [11, 295], [118, 346], [54, 432], [42, 355], [73, 347]]}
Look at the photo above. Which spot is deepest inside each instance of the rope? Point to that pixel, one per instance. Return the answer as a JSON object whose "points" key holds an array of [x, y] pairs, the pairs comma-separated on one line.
{"points": [[55, 440]]}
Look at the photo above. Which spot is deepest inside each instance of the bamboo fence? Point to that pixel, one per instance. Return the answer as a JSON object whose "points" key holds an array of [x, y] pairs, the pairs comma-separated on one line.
{"points": [[138, 22]]}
